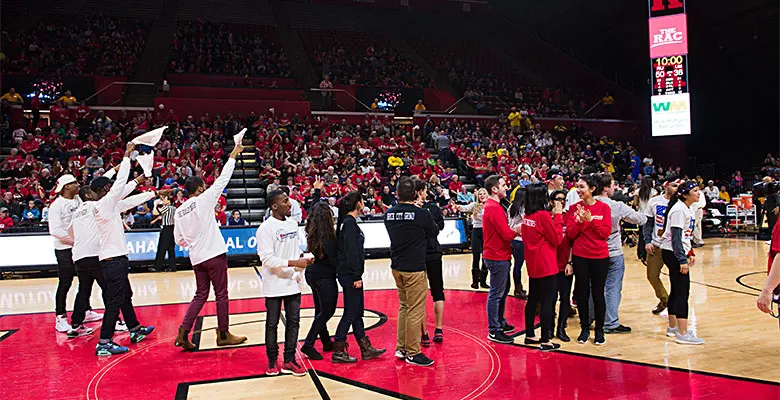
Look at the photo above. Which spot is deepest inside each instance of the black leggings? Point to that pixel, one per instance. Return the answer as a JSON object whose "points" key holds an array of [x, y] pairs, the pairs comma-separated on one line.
{"points": [[325, 292], [681, 286], [591, 275], [563, 292], [476, 254], [435, 278], [541, 291]]}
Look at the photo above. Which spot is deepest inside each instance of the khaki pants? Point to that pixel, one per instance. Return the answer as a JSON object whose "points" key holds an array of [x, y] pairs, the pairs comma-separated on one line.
{"points": [[412, 292], [654, 266]]}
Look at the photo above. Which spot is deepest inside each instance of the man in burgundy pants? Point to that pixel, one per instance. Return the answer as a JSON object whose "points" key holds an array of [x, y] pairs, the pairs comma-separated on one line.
{"points": [[195, 227]]}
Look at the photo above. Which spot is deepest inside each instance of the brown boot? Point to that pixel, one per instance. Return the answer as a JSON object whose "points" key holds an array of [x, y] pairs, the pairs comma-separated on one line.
{"points": [[368, 352], [229, 339], [340, 354], [183, 340]]}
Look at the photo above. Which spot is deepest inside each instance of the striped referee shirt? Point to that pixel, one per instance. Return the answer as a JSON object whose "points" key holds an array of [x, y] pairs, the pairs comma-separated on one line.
{"points": [[166, 213]]}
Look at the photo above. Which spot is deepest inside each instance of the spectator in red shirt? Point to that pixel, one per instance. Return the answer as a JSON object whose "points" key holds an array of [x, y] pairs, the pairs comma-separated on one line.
{"points": [[30, 145], [220, 215], [5, 221], [542, 233], [455, 184], [588, 225]]}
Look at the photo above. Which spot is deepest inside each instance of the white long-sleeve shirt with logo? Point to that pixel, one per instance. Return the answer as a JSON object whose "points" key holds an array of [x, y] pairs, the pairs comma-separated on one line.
{"points": [[83, 227], [109, 222], [277, 243], [194, 225], [60, 215]]}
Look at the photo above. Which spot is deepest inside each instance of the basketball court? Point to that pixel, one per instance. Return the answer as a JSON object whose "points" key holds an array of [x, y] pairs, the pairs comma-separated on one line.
{"points": [[738, 359]]}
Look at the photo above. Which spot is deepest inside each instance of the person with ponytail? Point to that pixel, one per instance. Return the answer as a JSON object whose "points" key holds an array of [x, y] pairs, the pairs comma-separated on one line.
{"points": [[478, 274], [589, 223], [542, 233], [651, 231], [433, 265], [516, 214], [677, 253], [617, 265], [349, 272], [641, 200]]}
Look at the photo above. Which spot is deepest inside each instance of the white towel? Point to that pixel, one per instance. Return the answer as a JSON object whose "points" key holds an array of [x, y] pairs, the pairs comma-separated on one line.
{"points": [[147, 162], [239, 137], [150, 138]]}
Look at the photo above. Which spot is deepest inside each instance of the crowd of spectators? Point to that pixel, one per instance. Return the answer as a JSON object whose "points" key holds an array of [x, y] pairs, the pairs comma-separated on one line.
{"points": [[217, 48], [77, 45], [350, 59]]}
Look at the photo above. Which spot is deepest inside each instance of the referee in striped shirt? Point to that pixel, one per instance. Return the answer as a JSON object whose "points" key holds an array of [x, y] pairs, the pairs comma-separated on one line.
{"points": [[165, 210]]}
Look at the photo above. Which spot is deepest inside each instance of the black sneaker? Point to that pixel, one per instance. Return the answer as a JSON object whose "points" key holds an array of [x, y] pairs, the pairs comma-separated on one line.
{"points": [[618, 329], [500, 337], [599, 340], [549, 346], [311, 353], [419, 359], [507, 328], [584, 336]]}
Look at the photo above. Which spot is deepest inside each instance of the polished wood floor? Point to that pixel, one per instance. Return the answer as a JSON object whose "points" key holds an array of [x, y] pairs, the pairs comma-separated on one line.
{"points": [[740, 341]]}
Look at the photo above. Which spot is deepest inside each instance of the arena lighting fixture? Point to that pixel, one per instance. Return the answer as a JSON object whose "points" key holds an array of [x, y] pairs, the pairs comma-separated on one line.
{"points": [[670, 101]]}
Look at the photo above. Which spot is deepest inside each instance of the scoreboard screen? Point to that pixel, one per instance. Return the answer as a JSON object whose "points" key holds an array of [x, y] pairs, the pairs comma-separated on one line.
{"points": [[670, 100], [669, 75]]}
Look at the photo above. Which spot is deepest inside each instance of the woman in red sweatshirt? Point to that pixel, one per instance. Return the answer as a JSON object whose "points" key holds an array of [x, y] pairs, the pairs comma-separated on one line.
{"points": [[588, 225], [542, 233]]}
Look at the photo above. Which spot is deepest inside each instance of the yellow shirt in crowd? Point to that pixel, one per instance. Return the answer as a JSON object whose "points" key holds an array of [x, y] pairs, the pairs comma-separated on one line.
{"points": [[515, 118], [12, 98]]}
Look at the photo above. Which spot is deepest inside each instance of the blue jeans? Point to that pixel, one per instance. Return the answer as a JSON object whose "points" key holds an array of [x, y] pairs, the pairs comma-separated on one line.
{"points": [[612, 291], [518, 253], [496, 302]]}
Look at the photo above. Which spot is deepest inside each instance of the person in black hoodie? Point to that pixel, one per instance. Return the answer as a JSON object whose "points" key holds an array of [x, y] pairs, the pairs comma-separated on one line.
{"points": [[321, 276], [349, 272], [409, 228], [433, 265]]}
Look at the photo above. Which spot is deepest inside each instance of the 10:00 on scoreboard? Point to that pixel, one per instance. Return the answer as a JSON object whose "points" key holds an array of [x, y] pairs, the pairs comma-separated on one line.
{"points": [[670, 75]]}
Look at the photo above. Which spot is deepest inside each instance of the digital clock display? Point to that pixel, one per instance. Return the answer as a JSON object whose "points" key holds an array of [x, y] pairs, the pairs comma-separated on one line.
{"points": [[670, 75]]}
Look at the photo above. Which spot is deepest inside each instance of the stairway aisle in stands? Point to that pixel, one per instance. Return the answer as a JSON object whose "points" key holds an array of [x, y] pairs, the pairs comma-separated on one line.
{"points": [[154, 59], [244, 192]]}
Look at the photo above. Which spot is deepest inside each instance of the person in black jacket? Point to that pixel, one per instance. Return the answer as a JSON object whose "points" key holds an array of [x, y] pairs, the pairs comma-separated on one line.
{"points": [[349, 272], [409, 228], [321, 276], [433, 265]]}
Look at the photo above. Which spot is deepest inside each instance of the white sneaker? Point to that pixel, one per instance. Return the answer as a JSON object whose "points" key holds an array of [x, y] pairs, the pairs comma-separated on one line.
{"points": [[671, 332], [80, 331], [120, 326], [62, 324], [92, 316], [688, 338], [400, 354]]}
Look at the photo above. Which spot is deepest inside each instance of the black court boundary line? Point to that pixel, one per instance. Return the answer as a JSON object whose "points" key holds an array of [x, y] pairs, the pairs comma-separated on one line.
{"points": [[745, 285], [182, 389], [8, 334], [656, 366], [199, 325], [718, 287]]}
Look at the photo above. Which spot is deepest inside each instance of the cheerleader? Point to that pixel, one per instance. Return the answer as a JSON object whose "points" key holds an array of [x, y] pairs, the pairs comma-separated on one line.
{"points": [[677, 253]]}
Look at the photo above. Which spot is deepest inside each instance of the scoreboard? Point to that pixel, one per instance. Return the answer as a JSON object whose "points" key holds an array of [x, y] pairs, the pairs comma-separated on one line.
{"points": [[669, 98]]}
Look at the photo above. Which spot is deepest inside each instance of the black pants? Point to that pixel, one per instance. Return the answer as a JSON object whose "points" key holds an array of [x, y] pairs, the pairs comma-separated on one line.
{"points": [[541, 291], [66, 270], [435, 277], [166, 244], [563, 289], [292, 315], [353, 310], [477, 273], [117, 295], [326, 293], [89, 271], [591, 274], [681, 286]]}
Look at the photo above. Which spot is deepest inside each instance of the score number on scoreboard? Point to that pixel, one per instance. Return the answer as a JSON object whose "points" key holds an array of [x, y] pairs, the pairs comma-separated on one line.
{"points": [[670, 76]]}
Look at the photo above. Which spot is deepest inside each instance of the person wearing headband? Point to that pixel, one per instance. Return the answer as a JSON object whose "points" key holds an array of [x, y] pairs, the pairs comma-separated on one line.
{"points": [[651, 232], [677, 253]]}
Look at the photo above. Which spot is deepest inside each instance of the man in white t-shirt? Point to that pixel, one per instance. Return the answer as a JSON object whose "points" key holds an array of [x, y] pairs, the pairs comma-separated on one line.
{"points": [[117, 293], [711, 191], [282, 271], [195, 227], [652, 229]]}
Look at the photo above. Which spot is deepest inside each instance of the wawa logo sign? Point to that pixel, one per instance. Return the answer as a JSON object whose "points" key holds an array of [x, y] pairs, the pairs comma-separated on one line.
{"points": [[670, 114], [668, 36]]}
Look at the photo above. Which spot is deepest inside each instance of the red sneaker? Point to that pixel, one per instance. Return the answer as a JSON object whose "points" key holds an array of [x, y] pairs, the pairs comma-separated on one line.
{"points": [[273, 369], [292, 367]]}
